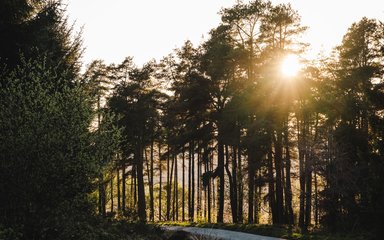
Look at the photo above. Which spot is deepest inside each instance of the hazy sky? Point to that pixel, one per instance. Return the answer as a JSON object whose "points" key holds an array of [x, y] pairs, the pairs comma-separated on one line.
{"points": [[146, 29]]}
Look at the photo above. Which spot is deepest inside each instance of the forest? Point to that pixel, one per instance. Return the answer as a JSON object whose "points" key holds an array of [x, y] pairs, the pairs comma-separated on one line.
{"points": [[212, 133]]}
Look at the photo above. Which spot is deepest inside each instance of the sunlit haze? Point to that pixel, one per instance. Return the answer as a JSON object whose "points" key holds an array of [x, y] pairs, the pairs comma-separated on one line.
{"points": [[149, 29], [290, 66]]}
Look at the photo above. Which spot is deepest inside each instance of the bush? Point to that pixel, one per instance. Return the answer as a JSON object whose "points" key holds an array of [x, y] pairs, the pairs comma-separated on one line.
{"points": [[46, 163]]}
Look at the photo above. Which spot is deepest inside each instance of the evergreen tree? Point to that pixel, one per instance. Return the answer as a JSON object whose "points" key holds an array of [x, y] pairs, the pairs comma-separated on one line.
{"points": [[46, 160]]}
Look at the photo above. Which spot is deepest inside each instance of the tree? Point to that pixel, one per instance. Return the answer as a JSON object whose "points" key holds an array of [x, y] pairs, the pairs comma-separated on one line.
{"points": [[38, 28], [356, 88], [97, 84], [47, 164], [139, 110], [219, 63], [185, 118], [243, 22]]}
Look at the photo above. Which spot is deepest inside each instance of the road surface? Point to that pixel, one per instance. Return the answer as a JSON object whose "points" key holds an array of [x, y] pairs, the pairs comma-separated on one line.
{"points": [[219, 233]]}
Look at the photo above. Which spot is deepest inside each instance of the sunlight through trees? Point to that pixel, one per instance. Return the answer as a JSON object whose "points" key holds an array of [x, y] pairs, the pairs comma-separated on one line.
{"points": [[238, 129]]}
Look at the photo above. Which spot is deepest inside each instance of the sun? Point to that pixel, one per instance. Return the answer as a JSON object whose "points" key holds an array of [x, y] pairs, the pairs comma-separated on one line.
{"points": [[290, 65]]}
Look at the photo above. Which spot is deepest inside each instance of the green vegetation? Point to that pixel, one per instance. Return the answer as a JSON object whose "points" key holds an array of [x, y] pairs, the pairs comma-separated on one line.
{"points": [[99, 154]]}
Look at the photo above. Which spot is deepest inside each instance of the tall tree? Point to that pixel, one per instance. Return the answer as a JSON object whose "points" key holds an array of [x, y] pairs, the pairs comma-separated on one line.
{"points": [[356, 88], [138, 108]]}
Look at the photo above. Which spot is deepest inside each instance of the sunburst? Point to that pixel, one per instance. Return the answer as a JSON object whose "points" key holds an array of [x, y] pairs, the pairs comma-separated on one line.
{"points": [[290, 65]]}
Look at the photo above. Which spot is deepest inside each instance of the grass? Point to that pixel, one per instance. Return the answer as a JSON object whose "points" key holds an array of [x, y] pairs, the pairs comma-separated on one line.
{"points": [[283, 231]]}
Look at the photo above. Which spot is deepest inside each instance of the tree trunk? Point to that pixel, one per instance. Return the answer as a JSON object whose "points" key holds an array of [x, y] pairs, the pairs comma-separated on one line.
{"points": [[308, 195], [316, 201], [141, 206], [234, 199], [169, 185], [271, 185], [208, 188], [240, 186], [231, 187], [183, 188], [118, 191], [176, 192], [213, 189], [193, 182], [190, 183], [220, 174], [151, 198], [123, 191], [102, 202], [134, 186], [251, 183], [259, 192], [149, 163], [288, 185], [160, 183], [198, 183], [301, 141], [111, 194], [279, 186]]}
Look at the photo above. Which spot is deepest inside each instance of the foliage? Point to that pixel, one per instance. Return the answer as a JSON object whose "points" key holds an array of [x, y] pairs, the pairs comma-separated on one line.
{"points": [[38, 27], [352, 170], [222, 106], [45, 145]]}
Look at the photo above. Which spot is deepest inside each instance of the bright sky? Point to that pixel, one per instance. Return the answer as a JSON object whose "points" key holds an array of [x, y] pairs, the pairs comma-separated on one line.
{"points": [[147, 29]]}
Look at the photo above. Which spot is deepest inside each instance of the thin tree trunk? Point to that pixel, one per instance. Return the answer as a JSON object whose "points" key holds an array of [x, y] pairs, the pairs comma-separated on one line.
{"points": [[234, 186], [151, 197], [271, 185], [102, 202], [288, 186], [220, 174], [279, 186], [118, 190], [190, 183], [102, 197], [213, 190], [259, 192], [160, 183], [171, 199], [176, 192], [251, 183], [301, 141], [240, 185], [123, 191], [111, 186], [183, 188], [256, 203], [193, 182], [134, 186], [208, 189], [231, 187], [316, 201], [198, 183], [150, 182], [169, 184], [308, 186], [140, 185], [309, 170], [173, 186]]}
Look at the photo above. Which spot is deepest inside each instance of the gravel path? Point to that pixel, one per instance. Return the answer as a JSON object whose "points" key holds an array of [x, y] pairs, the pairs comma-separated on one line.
{"points": [[219, 233]]}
